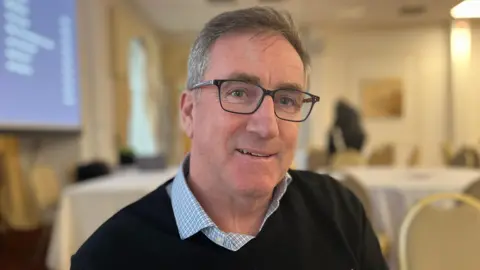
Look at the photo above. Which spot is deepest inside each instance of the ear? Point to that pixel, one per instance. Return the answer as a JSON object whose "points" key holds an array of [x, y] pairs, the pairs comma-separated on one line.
{"points": [[186, 112]]}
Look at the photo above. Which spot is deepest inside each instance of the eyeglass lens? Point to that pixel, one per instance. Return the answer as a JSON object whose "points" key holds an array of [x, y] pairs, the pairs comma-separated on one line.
{"points": [[242, 97]]}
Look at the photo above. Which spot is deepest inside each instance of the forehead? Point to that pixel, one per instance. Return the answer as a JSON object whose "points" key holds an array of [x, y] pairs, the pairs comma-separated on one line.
{"points": [[269, 57]]}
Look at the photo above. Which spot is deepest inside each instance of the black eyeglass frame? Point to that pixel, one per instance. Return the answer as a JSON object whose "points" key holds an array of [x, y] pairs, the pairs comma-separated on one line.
{"points": [[266, 92]]}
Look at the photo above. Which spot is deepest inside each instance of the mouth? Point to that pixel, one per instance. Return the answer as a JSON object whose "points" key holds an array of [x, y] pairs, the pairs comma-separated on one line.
{"points": [[254, 154]]}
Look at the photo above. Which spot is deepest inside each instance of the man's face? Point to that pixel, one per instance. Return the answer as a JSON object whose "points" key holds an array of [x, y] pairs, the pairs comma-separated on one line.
{"points": [[220, 137]]}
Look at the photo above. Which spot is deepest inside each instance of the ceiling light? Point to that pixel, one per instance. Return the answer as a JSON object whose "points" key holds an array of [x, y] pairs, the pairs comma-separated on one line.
{"points": [[467, 9]]}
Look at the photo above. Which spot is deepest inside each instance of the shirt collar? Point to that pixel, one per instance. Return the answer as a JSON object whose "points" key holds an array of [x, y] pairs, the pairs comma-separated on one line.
{"points": [[189, 214]]}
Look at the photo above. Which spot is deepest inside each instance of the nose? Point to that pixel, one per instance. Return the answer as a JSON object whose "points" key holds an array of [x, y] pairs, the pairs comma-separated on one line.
{"points": [[264, 122]]}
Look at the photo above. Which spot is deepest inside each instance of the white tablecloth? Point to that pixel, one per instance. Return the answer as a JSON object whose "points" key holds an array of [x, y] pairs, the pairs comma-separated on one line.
{"points": [[85, 206]]}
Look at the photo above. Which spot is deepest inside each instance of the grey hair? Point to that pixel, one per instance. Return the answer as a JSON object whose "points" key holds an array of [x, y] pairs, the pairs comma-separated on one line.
{"points": [[258, 19]]}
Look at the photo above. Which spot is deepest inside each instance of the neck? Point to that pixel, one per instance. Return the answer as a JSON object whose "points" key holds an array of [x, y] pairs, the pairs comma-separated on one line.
{"points": [[231, 213]]}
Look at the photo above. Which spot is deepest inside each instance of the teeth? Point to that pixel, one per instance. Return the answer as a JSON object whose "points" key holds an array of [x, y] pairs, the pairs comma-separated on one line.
{"points": [[252, 154]]}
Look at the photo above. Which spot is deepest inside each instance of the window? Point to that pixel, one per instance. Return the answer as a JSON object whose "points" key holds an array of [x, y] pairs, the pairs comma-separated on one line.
{"points": [[141, 135]]}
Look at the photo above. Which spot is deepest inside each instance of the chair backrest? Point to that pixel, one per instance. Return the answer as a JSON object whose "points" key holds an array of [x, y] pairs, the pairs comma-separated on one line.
{"points": [[3, 177], [392, 212], [441, 237], [383, 155], [348, 158], [466, 157], [360, 191], [414, 157], [45, 187], [317, 158], [447, 153], [3, 170], [473, 189]]}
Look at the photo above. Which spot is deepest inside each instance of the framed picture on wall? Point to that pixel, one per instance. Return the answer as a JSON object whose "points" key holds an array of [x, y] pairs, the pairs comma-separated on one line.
{"points": [[381, 97]]}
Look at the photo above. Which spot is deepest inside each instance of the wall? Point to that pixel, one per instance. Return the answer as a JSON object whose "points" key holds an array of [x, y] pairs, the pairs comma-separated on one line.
{"points": [[96, 79], [475, 69], [175, 51], [418, 56], [466, 87]]}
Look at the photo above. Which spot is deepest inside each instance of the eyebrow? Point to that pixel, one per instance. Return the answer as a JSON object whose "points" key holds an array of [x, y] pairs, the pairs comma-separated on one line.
{"points": [[253, 79]]}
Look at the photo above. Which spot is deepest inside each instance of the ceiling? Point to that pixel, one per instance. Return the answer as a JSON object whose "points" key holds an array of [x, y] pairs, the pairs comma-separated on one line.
{"points": [[190, 15]]}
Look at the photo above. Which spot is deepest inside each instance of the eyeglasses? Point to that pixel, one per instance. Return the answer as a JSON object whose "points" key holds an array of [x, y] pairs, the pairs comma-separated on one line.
{"points": [[245, 98]]}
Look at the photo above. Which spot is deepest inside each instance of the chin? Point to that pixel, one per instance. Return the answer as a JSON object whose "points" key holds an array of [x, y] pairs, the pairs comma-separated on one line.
{"points": [[254, 182]]}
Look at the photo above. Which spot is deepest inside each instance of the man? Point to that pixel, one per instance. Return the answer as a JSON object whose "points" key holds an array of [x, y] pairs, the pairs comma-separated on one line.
{"points": [[234, 203]]}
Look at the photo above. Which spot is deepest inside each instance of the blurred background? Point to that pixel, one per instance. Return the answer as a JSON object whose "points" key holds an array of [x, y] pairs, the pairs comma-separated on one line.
{"points": [[89, 94]]}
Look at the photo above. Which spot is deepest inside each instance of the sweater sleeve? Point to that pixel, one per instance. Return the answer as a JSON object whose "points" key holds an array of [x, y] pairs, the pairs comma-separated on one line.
{"points": [[347, 213], [351, 216], [367, 247], [81, 264], [96, 254], [370, 256]]}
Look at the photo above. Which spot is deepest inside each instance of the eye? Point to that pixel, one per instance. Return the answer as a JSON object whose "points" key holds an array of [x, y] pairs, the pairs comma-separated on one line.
{"points": [[238, 93], [287, 101]]}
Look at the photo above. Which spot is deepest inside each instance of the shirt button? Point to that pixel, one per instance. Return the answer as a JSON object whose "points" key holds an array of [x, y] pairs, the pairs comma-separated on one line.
{"points": [[219, 240]]}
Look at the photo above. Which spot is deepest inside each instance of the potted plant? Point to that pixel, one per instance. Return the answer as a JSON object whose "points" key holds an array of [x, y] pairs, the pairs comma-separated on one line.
{"points": [[127, 156]]}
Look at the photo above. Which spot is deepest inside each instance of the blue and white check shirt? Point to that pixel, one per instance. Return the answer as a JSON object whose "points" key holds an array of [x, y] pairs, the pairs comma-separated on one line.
{"points": [[192, 218]]}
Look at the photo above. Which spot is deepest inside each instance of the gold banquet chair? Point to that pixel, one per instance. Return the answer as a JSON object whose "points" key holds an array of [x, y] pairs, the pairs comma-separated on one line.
{"points": [[473, 189], [317, 159], [447, 153], [45, 190], [382, 156], [441, 237], [466, 157], [414, 157], [347, 158]]}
